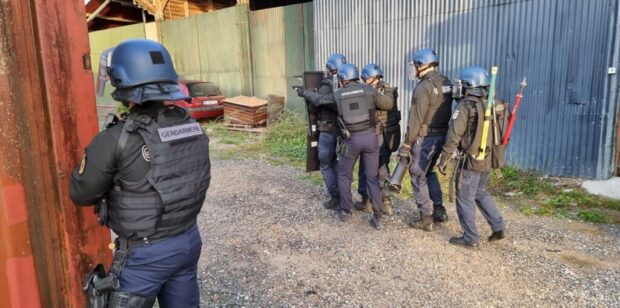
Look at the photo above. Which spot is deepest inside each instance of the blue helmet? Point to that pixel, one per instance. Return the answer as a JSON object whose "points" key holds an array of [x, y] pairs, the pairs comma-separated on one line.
{"points": [[334, 61], [142, 70], [139, 61], [372, 70], [425, 56], [348, 71], [475, 79]]}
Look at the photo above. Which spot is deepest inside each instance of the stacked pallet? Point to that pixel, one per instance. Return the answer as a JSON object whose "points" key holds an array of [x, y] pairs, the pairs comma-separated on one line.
{"points": [[244, 110]]}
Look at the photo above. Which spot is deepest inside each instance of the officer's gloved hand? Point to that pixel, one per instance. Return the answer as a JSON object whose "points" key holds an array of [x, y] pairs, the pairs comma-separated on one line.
{"points": [[442, 165], [404, 151], [300, 90]]}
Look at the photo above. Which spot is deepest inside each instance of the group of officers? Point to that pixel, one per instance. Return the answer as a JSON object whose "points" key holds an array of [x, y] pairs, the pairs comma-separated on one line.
{"points": [[149, 172], [361, 120]]}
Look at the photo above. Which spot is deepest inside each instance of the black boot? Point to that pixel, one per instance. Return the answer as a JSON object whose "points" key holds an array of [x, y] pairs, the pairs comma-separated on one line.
{"points": [[375, 221], [439, 213], [460, 241], [332, 203], [497, 235], [365, 205]]}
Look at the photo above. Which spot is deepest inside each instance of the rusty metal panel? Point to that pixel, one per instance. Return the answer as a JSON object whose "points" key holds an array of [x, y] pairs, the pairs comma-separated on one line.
{"points": [[48, 118], [564, 47], [104, 39]]}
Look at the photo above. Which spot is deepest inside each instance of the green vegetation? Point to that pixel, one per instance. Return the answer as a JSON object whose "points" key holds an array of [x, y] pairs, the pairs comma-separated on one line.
{"points": [[530, 192], [534, 194]]}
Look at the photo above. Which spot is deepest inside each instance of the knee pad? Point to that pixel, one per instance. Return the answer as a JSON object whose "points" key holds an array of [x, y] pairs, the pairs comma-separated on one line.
{"points": [[129, 300]]}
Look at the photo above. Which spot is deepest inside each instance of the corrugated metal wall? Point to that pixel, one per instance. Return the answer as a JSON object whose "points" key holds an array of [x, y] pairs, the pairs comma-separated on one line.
{"points": [[281, 41], [102, 40], [566, 121], [212, 47]]}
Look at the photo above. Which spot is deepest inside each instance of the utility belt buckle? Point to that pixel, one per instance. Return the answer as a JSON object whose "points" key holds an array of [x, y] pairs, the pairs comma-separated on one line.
{"points": [[324, 125]]}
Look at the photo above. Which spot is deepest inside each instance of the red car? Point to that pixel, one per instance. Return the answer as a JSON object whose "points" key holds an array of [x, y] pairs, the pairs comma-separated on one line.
{"points": [[206, 99]]}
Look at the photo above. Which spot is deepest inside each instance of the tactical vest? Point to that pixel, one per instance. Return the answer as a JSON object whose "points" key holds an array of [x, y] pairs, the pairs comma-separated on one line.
{"points": [[356, 108], [437, 117], [179, 176], [473, 136], [323, 113]]}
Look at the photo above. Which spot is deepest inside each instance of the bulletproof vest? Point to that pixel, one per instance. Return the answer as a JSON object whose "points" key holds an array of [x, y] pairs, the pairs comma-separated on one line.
{"points": [[473, 135], [326, 114], [356, 107], [178, 177], [393, 116], [440, 108]]}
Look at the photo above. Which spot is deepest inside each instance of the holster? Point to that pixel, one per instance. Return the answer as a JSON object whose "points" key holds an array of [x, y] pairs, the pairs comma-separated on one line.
{"points": [[342, 129], [101, 210], [99, 285]]}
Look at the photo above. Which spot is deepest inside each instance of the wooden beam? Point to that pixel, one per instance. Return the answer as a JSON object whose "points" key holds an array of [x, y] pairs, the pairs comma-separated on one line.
{"points": [[210, 6], [118, 19], [147, 5]]}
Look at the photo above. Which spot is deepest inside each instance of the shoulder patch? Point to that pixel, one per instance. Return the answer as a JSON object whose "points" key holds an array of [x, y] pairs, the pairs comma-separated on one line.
{"points": [[82, 165], [177, 132], [455, 114], [435, 91]]}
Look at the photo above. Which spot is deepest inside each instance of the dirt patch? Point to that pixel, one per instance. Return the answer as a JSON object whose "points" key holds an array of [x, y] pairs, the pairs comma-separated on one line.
{"points": [[268, 242]]}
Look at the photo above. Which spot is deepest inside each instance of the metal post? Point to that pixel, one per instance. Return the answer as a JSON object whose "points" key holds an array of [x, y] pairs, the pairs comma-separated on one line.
{"points": [[47, 116]]}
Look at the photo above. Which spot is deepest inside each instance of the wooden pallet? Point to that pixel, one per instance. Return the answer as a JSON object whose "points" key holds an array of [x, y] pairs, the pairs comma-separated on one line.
{"points": [[245, 110], [245, 128]]}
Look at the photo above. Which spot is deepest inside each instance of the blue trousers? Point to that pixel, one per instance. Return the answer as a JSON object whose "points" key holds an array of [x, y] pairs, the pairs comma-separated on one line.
{"points": [[364, 145], [384, 171], [471, 192], [328, 162], [165, 269], [424, 181]]}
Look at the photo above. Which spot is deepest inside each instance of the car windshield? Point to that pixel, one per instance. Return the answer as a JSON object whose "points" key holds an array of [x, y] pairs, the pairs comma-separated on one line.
{"points": [[203, 89]]}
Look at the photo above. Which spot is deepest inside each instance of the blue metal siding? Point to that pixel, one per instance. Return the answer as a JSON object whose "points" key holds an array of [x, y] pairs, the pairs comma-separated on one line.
{"points": [[567, 119]]}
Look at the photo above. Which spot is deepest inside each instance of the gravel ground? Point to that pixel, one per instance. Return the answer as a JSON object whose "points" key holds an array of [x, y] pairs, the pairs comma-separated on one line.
{"points": [[268, 242]]}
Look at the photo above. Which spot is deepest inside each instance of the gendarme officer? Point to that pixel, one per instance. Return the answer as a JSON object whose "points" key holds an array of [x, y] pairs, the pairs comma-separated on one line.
{"points": [[388, 132], [326, 125], [431, 106], [465, 135], [356, 104], [154, 170]]}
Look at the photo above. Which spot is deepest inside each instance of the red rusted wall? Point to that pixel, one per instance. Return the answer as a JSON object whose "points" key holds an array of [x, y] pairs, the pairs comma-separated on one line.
{"points": [[47, 116]]}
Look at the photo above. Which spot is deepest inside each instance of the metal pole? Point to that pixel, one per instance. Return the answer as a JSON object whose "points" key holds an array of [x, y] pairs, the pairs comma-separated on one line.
{"points": [[47, 116]]}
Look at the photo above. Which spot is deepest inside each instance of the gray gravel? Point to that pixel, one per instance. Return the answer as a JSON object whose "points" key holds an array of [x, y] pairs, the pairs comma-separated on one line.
{"points": [[268, 242]]}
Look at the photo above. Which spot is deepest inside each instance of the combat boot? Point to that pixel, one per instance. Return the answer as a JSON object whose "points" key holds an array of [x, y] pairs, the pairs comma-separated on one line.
{"points": [[332, 203], [439, 213], [387, 206], [424, 223], [365, 205]]}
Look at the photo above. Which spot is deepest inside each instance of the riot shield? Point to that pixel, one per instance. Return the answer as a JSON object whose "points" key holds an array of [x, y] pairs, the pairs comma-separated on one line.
{"points": [[312, 80]]}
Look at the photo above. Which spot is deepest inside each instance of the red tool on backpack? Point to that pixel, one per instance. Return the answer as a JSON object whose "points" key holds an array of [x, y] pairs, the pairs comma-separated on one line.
{"points": [[513, 116]]}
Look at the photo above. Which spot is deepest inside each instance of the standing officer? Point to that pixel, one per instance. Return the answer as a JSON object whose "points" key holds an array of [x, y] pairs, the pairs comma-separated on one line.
{"points": [[428, 123], [465, 134], [372, 74], [154, 170], [356, 104], [326, 125]]}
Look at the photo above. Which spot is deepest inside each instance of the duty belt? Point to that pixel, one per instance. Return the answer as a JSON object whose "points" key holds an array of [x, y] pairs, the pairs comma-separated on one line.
{"points": [[437, 131], [324, 126], [126, 244]]}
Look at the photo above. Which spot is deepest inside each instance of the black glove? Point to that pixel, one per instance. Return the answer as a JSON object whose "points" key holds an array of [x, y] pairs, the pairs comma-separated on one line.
{"points": [[300, 90], [404, 151], [442, 165]]}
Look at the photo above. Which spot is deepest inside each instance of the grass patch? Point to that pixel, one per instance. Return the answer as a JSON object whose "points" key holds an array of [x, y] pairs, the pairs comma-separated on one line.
{"points": [[535, 194], [287, 138]]}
